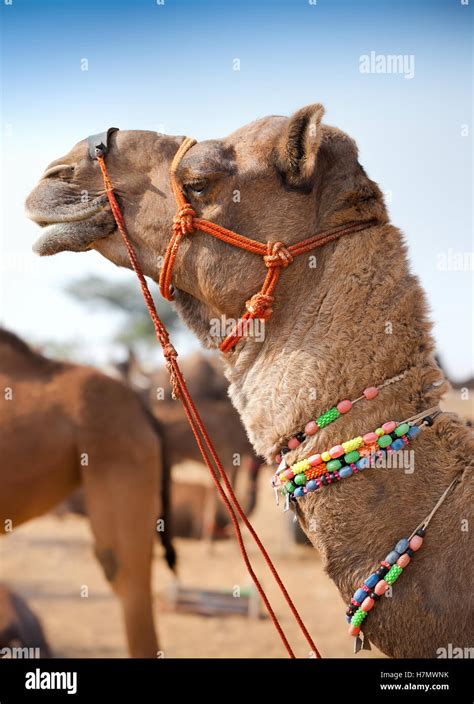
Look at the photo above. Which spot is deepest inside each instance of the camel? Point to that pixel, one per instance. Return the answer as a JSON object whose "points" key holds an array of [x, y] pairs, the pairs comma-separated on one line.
{"points": [[346, 317], [64, 425], [189, 504]]}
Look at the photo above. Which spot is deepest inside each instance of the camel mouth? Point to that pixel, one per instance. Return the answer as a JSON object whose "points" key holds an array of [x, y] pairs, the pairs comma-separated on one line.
{"points": [[74, 234], [66, 213]]}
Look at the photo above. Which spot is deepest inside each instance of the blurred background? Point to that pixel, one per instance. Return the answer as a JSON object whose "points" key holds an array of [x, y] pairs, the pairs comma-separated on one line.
{"points": [[204, 68]]}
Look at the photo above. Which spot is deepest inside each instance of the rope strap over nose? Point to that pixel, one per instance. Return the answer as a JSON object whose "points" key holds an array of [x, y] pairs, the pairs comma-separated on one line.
{"points": [[276, 255]]}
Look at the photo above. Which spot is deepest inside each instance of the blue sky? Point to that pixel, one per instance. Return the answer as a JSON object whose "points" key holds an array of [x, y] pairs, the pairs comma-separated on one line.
{"points": [[170, 68]]}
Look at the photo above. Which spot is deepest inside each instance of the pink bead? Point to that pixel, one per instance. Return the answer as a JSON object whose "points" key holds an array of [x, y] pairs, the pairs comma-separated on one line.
{"points": [[293, 443], [370, 438], [381, 587], [311, 428], [403, 560], [354, 630], [278, 459], [336, 451], [287, 474], [416, 542], [314, 460], [344, 406], [367, 604], [371, 392], [389, 427]]}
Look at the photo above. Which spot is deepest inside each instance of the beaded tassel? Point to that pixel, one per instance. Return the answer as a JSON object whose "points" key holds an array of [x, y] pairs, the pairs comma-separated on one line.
{"points": [[376, 584]]}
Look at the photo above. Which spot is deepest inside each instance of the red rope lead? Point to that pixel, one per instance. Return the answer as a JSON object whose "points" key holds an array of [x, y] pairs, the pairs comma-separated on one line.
{"points": [[203, 440]]}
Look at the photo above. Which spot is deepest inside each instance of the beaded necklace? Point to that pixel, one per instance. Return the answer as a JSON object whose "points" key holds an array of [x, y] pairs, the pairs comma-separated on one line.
{"points": [[349, 458], [332, 414], [343, 461]]}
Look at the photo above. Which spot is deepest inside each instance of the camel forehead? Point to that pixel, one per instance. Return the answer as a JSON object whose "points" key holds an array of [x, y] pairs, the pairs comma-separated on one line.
{"points": [[253, 143]]}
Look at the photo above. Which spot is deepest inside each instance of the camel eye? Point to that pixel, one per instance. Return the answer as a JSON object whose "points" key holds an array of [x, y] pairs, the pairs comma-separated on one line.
{"points": [[197, 187]]}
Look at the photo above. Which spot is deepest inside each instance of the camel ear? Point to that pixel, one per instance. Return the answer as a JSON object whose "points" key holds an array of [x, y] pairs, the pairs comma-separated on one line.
{"points": [[298, 146]]}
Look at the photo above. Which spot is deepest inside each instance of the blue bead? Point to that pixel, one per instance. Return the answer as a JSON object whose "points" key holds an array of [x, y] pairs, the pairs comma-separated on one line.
{"points": [[348, 619], [359, 595], [363, 463], [345, 472], [299, 492], [312, 485], [397, 444], [414, 431], [392, 557], [371, 581], [401, 546]]}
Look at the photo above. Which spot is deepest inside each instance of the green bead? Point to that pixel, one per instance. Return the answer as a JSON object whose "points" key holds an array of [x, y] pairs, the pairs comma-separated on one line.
{"points": [[328, 417], [402, 430], [290, 487], [384, 441], [332, 465], [300, 479], [352, 457], [358, 617], [393, 574]]}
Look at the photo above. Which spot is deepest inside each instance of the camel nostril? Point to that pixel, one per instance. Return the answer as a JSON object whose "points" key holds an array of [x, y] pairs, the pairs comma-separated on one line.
{"points": [[55, 170]]}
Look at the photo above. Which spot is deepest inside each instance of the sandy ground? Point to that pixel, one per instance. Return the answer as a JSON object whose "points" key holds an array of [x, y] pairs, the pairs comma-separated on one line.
{"points": [[49, 560]]}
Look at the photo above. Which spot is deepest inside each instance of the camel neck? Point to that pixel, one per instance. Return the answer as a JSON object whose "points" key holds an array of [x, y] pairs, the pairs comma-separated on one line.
{"points": [[358, 320]]}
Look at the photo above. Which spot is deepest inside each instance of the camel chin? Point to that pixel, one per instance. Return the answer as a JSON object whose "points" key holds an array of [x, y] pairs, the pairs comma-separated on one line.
{"points": [[77, 236]]}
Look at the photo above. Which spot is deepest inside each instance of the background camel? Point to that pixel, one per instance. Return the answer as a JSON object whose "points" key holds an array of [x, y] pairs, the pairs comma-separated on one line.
{"points": [[65, 424], [349, 318], [195, 507]]}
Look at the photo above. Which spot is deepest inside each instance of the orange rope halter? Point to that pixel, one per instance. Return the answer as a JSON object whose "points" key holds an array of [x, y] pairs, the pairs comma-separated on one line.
{"points": [[203, 441], [276, 255]]}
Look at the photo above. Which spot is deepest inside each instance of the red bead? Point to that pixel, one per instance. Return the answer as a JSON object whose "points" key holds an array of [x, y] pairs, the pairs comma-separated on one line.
{"points": [[371, 392], [416, 542], [381, 587], [311, 428], [386, 564], [344, 406], [336, 451], [278, 459], [293, 443], [354, 630], [314, 460], [389, 427], [367, 604], [403, 560]]}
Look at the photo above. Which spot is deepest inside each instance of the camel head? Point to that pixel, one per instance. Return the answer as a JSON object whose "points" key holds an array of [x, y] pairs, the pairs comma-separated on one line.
{"points": [[275, 179]]}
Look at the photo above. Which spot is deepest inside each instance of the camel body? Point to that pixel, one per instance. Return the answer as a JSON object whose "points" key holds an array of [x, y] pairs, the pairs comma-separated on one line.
{"points": [[65, 425], [347, 317]]}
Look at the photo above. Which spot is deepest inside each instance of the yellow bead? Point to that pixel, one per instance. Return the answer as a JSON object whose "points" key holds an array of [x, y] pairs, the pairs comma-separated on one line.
{"points": [[325, 456], [380, 432], [300, 466], [353, 444]]}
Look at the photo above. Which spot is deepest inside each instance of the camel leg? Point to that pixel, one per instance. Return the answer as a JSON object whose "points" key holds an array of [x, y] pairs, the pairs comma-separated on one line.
{"points": [[123, 506]]}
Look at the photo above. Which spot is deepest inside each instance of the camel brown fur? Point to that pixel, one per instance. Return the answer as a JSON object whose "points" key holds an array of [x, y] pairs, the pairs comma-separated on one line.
{"points": [[65, 425], [351, 317]]}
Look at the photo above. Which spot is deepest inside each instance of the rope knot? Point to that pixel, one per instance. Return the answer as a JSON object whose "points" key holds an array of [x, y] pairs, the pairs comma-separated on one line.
{"points": [[277, 255], [183, 221], [260, 305]]}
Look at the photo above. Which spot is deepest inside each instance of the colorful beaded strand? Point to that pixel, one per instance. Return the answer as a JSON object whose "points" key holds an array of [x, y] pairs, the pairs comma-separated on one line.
{"points": [[333, 414]]}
